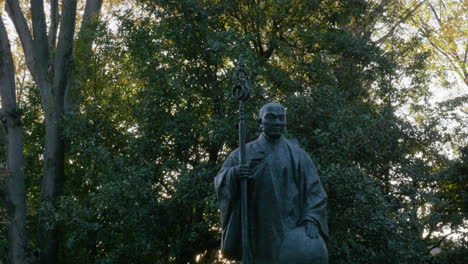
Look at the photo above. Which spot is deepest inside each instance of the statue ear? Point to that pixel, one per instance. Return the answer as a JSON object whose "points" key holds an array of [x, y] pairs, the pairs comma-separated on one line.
{"points": [[259, 121]]}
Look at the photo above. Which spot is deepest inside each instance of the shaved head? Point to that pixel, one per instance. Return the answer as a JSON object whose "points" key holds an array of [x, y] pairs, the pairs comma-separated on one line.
{"points": [[272, 119], [267, 106]]}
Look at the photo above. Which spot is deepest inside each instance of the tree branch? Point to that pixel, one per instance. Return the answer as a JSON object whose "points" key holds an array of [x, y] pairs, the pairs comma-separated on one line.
{"points": [[7, 74], [439, 242], [62, 63], [40, 37], [435, 13], [54, 21], [450, 58], [397, 24], [465, 73], [16, 15], [377, 12], [91, 14], [86, 36], [466, 54]]}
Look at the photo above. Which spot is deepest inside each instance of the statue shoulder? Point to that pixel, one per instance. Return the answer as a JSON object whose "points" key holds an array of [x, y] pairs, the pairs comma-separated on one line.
{"points": [[293, 141], [253, 145], [298, 149], [295, 146], [250, 146]]}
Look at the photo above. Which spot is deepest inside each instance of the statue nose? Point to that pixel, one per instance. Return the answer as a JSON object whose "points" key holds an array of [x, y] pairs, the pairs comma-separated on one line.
{"points": [[278, 125]]}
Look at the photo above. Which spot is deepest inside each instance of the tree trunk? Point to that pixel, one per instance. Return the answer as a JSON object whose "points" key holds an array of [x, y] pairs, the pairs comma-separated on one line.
{"points": [[51, 67], [14, 176], [54, 158], [51, 187]]}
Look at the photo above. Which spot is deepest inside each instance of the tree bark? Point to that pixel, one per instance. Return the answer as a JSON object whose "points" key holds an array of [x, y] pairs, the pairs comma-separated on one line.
{"points": [[54, 176], [54, 21], [50, 62], [11, 118], [86, 37], [19, 21]]}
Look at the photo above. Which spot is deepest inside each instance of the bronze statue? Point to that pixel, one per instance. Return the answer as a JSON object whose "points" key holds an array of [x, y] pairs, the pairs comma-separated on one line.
{"points": [[287, 218]]}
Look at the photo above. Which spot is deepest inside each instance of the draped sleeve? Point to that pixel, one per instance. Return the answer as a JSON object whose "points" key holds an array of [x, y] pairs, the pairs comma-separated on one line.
{"points": [[227, 188], [227, 191], [313, 199]]}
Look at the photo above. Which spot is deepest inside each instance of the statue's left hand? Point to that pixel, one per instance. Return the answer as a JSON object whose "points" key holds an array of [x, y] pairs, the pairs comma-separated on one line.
{"points": [[311, 230]]}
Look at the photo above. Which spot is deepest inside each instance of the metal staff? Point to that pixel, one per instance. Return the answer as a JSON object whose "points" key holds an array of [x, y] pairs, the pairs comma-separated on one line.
{"points": [[241, 91]]}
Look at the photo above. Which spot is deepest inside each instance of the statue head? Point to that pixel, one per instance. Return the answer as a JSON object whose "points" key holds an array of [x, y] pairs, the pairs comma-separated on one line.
{"points": [[272, 119]]}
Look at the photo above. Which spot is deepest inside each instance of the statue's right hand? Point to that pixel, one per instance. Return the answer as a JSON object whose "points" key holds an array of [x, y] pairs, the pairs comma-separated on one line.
{"points": [[243, 172]]}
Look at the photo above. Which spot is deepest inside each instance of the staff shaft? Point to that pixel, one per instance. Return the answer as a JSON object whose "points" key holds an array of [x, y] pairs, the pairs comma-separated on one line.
{"points": [[244, 187]]}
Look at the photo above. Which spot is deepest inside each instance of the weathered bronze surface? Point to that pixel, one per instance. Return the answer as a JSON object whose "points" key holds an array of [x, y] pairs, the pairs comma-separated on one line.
{"points": [[286, 202]]}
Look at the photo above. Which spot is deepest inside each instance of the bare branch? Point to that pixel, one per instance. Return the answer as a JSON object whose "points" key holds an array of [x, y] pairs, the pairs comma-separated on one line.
{"points": [[54, 21], [16, 15], [459, 69], [465, 73], [7, 74], [435, 13], [466, 54], [377, 11], [382, 4], [40, 37], [86, 36], [89, 23], [439, 242], [402, 20], [91, 14], [62, 64]]}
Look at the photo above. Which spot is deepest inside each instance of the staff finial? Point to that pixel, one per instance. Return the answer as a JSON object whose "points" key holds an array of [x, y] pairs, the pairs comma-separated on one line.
{"points": [[241, 88]]}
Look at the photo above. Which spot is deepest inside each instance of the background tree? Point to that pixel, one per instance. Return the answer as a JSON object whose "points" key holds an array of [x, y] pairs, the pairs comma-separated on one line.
{"points": [[49, 59], [12, 183], [442, 24], [152, 121], [316, 57]]}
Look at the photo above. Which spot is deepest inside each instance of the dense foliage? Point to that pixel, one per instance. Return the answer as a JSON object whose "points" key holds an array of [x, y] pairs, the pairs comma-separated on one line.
{"points": [[156, 120]]}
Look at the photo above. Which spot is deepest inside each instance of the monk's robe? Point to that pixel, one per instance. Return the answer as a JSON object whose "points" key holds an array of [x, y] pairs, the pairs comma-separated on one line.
{"points": [[286, 193]]}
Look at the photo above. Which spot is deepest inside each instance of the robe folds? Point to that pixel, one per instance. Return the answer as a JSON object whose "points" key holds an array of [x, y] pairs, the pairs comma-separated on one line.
{"points": [[285, 194]]}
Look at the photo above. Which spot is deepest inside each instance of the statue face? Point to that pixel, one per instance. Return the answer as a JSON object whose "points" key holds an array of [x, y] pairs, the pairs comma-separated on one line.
{"points": [[273, 120]]}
